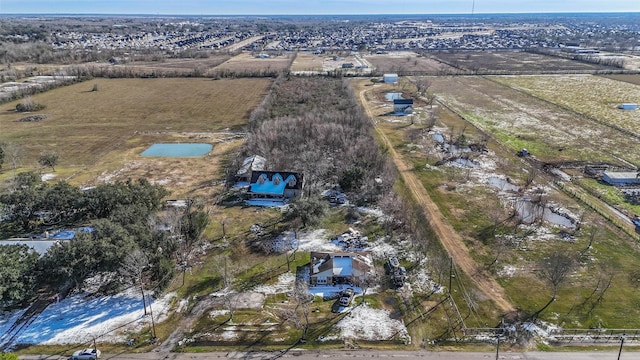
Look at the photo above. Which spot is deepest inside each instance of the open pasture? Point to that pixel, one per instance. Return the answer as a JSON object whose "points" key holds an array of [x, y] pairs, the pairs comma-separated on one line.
{"points": [[408, 63], [552, 133], [175, 66], [249, 63], [593, 96], [83, 126], [306, 61], [507, 62], [631, 79]]}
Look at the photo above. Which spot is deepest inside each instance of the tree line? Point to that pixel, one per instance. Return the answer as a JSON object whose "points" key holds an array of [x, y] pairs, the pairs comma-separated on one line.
{"points": [[315, 125], [123, 220]]}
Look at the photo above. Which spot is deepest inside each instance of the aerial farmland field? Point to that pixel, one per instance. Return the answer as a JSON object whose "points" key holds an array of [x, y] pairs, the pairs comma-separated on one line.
{"points": [[595, 97], [556, 126], [248, 63], [101, 133], [499, 62], [408, 62]]}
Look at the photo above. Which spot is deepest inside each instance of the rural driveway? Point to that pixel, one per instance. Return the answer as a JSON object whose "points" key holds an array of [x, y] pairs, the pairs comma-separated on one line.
{"points": [[450, 239]]}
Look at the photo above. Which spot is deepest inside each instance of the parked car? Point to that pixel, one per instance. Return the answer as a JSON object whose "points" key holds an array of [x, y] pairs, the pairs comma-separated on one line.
{"points": [[393, 264], [86, 354], [346, 297]]}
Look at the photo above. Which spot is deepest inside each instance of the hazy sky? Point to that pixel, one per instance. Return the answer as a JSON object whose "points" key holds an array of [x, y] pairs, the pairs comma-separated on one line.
{"points": [[232, 7]]}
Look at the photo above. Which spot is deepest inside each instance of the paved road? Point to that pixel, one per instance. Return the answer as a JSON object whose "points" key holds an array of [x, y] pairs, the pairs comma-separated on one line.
{"points": [[346, 354]]}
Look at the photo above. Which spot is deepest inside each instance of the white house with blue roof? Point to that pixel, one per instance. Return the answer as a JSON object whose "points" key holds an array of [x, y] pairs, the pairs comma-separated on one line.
{"points": [[274, 187]]}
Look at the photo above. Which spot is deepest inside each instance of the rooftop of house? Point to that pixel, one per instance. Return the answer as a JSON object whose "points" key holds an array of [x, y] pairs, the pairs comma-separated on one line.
{"points": [[621, 174]]}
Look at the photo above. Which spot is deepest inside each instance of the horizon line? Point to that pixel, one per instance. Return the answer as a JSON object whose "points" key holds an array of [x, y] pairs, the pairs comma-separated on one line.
{"points": [[322, 14]]}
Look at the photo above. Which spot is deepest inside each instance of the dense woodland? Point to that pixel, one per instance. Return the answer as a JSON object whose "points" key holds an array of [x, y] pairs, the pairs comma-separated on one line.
{"points": [[314, 125], [130, 242]]}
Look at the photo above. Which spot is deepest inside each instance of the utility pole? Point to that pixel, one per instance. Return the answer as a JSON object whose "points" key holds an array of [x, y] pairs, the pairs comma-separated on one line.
{"points": [[622, 337], [499, 332], [153, 324], [450, 273]]}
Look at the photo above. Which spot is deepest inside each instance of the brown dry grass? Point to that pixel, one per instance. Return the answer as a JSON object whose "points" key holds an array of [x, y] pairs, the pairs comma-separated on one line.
{"points": [[509, 61], [407, 62], [177, 66], [247, 62], [99, 135], [631, 79], [308, 62]]}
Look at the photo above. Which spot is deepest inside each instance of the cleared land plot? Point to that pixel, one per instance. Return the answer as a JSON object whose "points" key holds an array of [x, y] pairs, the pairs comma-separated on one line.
{"points": [[308, 62], [248, 62], [518, 120], [631, 79], [596, 97], [510, 62], [176, 66], [408, 63], [85, 125]]}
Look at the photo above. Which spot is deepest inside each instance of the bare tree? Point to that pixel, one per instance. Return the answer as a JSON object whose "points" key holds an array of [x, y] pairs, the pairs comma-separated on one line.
{"points": [[133, 269], [531, 176], [303, 300], [49, 159], [554, 270], [367, 281], [13, 153], [230, 302], [422, 85]]}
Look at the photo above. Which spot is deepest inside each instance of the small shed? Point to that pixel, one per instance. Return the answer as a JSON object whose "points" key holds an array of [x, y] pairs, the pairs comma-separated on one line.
{"points": [[620, 178], [403, 106], [628, 106], [390, 78]]}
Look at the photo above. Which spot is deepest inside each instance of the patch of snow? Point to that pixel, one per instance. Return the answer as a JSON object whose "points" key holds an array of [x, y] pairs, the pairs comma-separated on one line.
{"points": [[316, 240], [80, 319], [229, 335], [47, 177], [366, 323], [507, 271], [381, 249], [214, 313], [285, 284], [182, 305]]}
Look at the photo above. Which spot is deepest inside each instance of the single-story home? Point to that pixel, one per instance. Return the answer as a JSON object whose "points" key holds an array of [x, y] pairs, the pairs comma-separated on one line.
{"points": [[339, 267], [620, 178]]}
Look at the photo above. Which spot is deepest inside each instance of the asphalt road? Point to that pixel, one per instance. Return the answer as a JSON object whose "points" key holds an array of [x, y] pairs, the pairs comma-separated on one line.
{"points": [[361, 354]]}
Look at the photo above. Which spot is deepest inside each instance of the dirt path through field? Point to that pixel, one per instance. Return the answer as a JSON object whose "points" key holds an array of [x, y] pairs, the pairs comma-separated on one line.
{"points": [[450, 239]]}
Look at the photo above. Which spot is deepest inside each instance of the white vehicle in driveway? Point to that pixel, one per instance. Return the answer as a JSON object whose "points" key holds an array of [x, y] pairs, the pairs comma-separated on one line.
{"points": [[86, 354]]}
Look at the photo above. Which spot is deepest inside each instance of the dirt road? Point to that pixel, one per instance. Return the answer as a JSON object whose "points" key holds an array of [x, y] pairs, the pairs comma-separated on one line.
{"points": [[451, 240]]}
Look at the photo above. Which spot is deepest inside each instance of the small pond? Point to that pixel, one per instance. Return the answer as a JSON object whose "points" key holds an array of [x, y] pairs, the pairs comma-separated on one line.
{"points": [[503, 184], [390, 96], [529, 212], [178, 150]]}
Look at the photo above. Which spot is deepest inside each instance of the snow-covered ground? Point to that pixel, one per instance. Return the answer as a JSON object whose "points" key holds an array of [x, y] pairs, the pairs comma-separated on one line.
{"points": [[81, 318], [365, 323]]}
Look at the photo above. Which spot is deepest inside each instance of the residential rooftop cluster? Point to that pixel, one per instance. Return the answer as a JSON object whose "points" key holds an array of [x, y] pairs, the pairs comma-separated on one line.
{"points": [[381, 33]]}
